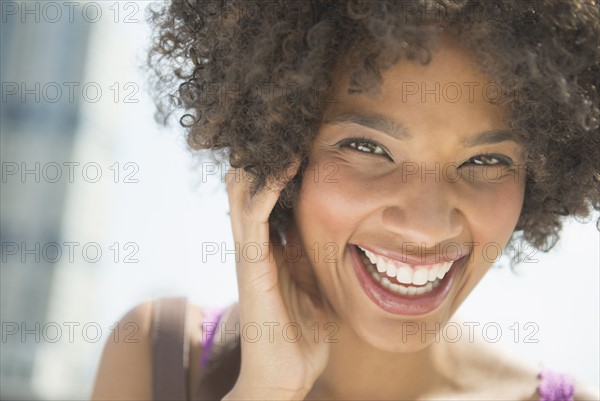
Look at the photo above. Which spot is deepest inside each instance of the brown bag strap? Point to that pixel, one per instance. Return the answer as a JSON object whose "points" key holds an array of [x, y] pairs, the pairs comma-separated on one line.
{"points": [[170, 349]]}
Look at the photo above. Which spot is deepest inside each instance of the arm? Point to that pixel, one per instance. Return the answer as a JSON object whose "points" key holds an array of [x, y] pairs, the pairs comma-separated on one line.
{"points": [[125, 370]]}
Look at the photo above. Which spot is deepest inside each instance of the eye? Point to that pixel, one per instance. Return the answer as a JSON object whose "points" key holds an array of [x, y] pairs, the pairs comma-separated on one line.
{"points": [[364, 145], [488, 159], [487, 167]]}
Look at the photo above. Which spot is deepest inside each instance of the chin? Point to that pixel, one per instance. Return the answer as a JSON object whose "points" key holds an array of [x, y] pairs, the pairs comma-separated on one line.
{"points": [[406, 336], [396, 344]]}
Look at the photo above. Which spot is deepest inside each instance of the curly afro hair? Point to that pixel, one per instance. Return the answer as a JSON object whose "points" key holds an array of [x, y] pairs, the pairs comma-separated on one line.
{"points": [[251, 79]]}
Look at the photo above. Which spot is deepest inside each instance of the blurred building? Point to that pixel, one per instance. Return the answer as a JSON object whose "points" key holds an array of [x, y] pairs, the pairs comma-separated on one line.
{"points": [[73, 95], [38, 125]]}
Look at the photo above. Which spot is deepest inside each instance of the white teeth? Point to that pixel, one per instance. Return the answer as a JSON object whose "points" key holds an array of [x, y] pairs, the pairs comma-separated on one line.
{"points": [[401, 289], [405, 273], [433, 272], [443, 269], [391, 270], [419, 290], [420, 276]]}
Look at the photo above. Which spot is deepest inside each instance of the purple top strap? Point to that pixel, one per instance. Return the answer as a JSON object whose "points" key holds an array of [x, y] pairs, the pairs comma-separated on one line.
{"points": [[210, 324], [555, 386]]}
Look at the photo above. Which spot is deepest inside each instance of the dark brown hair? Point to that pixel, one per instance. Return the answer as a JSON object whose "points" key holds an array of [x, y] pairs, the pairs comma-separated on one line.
{"points": [[213, 60]]}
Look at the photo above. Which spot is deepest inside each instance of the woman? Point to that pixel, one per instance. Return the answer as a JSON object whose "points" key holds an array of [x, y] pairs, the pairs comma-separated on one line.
{"points": [[378, 151]]}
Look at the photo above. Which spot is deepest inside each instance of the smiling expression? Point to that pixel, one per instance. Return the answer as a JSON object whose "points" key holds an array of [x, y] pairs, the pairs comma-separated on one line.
{"points": [[415, 179]]}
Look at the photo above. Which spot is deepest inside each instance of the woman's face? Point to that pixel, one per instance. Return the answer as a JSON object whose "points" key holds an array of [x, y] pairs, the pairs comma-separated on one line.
{"points": [[424, 176]]}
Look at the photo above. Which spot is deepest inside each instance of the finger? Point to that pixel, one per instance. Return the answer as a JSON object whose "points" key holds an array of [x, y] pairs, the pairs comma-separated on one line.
{"points": [[244, 179], [250, 211], [263, 201]]}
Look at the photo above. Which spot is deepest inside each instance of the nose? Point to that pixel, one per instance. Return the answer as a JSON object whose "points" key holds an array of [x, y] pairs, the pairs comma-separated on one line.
{"points": [[424, 212]]}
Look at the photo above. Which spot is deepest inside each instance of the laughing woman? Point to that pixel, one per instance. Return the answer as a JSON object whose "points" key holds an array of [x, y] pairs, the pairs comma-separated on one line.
{"points": [[377, 148]]}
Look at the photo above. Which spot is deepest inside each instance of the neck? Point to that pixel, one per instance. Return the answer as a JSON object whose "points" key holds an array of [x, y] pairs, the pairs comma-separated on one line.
{"points": [[357, 370]]}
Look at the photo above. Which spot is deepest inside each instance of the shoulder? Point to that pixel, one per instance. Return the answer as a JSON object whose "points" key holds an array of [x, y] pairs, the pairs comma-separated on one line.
{"points": [[584, 392], [125, 369], [499, 374], [496, 374], [126, 362]]}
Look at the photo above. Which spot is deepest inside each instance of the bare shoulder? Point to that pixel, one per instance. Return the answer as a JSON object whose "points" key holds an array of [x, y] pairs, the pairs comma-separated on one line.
{"points": [[584, 392], [507, 375], [500, 374], [125, 366], [125, 369]]}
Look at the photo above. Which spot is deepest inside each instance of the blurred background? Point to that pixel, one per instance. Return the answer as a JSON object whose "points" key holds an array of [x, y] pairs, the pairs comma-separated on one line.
{"points": [[102, 209]]}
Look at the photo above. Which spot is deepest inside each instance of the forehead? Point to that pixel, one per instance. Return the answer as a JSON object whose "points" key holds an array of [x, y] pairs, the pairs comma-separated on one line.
{"points": [[451, 90]]}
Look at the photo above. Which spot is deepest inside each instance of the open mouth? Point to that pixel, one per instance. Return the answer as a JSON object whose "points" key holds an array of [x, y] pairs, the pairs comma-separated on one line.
{"points": [[402, 288], [403, 278]]}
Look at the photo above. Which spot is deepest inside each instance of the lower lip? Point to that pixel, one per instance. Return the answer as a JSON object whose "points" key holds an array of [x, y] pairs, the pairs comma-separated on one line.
{"points": [[400, 304]]}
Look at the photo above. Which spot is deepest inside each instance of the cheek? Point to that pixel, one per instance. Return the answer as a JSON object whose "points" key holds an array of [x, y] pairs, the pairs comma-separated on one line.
{"points": [[333, 200], [493, 212], [491, 215]]}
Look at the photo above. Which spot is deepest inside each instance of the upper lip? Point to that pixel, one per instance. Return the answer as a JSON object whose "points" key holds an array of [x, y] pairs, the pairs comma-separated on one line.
{"points": [[429, 258]]}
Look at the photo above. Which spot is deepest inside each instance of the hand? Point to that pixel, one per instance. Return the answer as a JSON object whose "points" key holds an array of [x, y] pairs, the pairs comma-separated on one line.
{"points": [[273, 366]]}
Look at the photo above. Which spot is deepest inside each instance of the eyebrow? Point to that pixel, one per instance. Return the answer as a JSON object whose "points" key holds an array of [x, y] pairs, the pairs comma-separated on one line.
{"points": [[491, 137], [374, 121], [396, 130]]}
